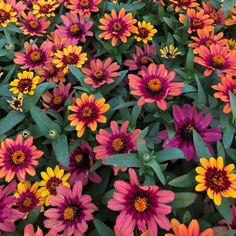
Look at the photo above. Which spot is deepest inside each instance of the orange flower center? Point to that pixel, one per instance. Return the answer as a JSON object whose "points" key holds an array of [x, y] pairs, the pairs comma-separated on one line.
{"points": [[218, 61], [117, 26], [98, 75], [84, 3], [74, 29], [213, 16], [183, 1], [196, 23], [33, 24], [144, 60], [154, 85], [87, 112], [143, 32], [52, 185], [57, 100], [208, 43], [79, 158], [118, 144], [18, 157], [27, 202], [35, 56], [140, 204], [24, 85], [71, 59], [45, 9], [70, 213], [217, 180]]}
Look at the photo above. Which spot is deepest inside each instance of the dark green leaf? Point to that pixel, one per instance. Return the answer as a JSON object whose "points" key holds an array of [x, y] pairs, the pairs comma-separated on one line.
{"points": [[169, 154], [201, 98], [233, 104], [183, 181], [102, 229], [78, 75], [225, 210], [183, 199]]}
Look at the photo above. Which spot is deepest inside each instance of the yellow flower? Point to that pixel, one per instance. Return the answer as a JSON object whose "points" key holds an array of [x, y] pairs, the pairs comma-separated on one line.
{"points": [[45, 8], [169, 52], [51, 180], [71, 55], [24, 84], [231, 44], [145, 31], [7, 14], [215, 178]]}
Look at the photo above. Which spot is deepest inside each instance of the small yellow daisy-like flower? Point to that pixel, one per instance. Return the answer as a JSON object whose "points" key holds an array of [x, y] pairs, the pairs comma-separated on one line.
{"points": [[145, 32], [170, 52], [231, 44], [24, 84], [70, 55], [7, 14], [215, 178], [51, 180], [43, 8]]}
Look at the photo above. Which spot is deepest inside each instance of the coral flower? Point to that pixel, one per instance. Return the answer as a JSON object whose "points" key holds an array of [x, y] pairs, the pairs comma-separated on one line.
{"points": [[8, 215], [198, 20], [204, 37], [183, 4], [117, 141], [29, 231], [169, 52], [217, 179], [24, 84], [141, 57], [117, 26], [70, 212], [88, 111], [75, 30], [154, 85], [145, 32], [18, 157], [81, 160], [51, 180], [17, 6], [100, 73], [7, 15], [141, 206], [45, 8], [192, 230], [71, 55], [232, 17], [33, 26], [58, 97], [227, 83], [35, 57], [84, 7], [27, 197], [216, 57]]}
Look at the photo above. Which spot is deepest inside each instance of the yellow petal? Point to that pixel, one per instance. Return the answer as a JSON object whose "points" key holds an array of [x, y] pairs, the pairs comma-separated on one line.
{"points": [[217, 199], [200, 187]]}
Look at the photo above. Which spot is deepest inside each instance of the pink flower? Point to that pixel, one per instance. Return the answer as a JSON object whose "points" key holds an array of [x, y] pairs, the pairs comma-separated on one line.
{"points": [[29, 231]]}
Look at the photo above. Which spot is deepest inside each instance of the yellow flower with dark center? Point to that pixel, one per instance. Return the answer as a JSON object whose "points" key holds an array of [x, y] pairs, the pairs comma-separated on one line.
{"points": [[169, 52], [7, 14], [24, 84], [51, 180], [45, 8], [145, 31], [217, 179], [231, 44]]}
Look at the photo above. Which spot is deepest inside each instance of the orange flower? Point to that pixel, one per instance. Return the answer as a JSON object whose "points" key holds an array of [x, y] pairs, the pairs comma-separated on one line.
{"points": [[184, 4], [232, 19]]}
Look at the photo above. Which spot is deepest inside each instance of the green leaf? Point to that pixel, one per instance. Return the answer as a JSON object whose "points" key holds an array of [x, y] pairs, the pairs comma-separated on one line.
{"points": [[227, 233], [227, 5], [142, 148], [169, 154], [231, 153], [123, 160], [190, 61], [225, 210], [228, 136], [102, 229], [183, 199], [125, 46], [220, 149], [183, 181], [60, 148], [124, 105], [78, 75], [134, 115], [11, 120], [233, 104], [201, 98]]}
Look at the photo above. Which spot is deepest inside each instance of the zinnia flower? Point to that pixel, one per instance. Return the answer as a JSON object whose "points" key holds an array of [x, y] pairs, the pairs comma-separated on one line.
{"points": [[76, 30], [18, 157], [117, 26], [154, 85], [88, 112], [24, 84], [169, 52], [71, 55], [70, 212], [16, 103], [192, 230], [84, 7], [81, 160], [216, 179], [232, 17], [144, 32], [141, 57], [17, 6], [227, 83], [184, 4], [45, 8], [216, 57], [198, 20], [231, 44], [100, 73], [7, 15], [51, 180], [186, 120], [141, 206], [29, 231]]}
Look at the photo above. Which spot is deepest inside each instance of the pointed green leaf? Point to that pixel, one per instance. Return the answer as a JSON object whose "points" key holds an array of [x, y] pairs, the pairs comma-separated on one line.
{"points": [[183, 199], [102, 229], [169, 154]]}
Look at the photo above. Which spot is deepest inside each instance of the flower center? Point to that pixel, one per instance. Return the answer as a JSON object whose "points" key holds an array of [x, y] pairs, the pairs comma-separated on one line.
{"points": [[196, 23], [183, 1], [71, 59], [3, 16], [87, 112], [45, 8], [84, 3], [143, 32], [144, 60], [117, 26], [218, 61], [213, 16], [24, 85], [52, 185], [154, 85], [79, 158], [17, 103], [74, 29], [27, 202], [70, 213], [57, 100], [35, 56], [118, 144], [140, 204], [187, 133], [208, 43], [33, 24], [98, 75], [18, 157]]}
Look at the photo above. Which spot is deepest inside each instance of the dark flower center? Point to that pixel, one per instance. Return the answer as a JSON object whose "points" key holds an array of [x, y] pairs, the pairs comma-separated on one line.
{"points": [[143, 32], [33, 24], [71, 59], [57, 100], [70, 213], [218, 61], [17, 104], [117, 27], [187, 133], [27, 202], [3, 16], [145, 60], [213, 16], [118, 144], [84, 3], [82, 160], [196, 23], [154, 85], [35, 56], [87, 112], [52, 185], [208, 43], [75, 29], [183, 2], [24, 85], [141, 203], [45, 9], [98, 75], [18, 157]]}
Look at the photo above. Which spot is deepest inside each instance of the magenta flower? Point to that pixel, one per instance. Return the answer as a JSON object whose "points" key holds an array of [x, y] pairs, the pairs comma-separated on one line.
{"points": [[81, 160], [75, 29], [29, 231], [71, 211], [186, 120], [143, 206]]}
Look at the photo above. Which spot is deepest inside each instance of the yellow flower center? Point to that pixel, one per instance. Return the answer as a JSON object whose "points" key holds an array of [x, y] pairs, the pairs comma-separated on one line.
{"points": [[218, 61], [74, 29], [87, 112], [84, 3], [35, 56], [79, 158], [154, 85], [18, 157], [143, 32], [213, 16], [33, 24], [118, 144], [140, 204], [70, 213], [98, 75], [196, 23], [57, 100], [144, 60], [117, 26], [27, 202]]}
